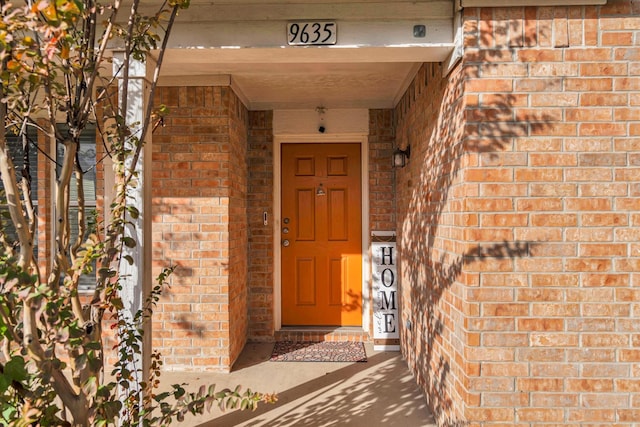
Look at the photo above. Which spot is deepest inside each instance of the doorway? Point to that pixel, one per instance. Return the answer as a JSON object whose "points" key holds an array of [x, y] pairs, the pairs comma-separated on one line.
{"points": [[321, 234]]}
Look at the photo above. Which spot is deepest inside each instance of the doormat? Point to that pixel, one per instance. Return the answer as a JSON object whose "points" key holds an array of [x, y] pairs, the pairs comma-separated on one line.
{"points": [[324, 351]]}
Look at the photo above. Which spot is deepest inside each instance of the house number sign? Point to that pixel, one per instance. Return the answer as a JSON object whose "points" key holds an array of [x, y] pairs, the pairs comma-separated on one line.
{"points": [[312, 33]]}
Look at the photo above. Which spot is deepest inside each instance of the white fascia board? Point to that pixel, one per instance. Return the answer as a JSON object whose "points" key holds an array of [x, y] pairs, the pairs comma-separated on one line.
{"points": [[507, 3], [272, 34]]}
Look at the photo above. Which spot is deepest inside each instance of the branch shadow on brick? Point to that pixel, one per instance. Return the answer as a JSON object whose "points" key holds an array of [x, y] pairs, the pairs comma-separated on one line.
{"points": [[435, 205]]}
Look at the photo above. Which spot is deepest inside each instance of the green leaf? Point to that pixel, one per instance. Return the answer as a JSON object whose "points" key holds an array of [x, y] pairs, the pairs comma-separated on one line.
{"points": [[9, 412], [4, 383], [129, 242], [90, 386], [133, 212], [93, 345], [15, 369]]}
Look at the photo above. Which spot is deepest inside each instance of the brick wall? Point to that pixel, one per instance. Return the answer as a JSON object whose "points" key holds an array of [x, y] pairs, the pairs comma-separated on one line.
{"points": [[197, 184], [238, 226], [382, 194], [382, 197], [260, 200], [538, 324], [431, 221]]}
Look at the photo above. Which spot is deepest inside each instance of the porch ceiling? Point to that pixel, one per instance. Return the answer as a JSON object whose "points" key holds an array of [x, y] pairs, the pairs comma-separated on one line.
{"points": [[307, 78], [245, 42]]}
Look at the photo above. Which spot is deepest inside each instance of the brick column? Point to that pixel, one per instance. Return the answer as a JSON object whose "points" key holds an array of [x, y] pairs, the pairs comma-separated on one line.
{"points": [[199, 185]]}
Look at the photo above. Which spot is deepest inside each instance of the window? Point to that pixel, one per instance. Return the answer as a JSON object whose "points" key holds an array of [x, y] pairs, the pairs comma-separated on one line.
{"points": [[87, 159], [17, 152]]}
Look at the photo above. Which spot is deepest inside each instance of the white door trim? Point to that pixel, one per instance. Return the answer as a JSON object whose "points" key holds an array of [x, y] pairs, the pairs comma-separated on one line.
{"points": [[358, 138]]}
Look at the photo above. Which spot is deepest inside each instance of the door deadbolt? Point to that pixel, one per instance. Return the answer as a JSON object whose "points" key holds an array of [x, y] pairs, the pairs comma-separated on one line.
{"points": [[285, 243]]}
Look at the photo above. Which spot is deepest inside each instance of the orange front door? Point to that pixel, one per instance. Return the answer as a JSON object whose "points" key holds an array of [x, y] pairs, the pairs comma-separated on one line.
{"points": [[321, 235]]}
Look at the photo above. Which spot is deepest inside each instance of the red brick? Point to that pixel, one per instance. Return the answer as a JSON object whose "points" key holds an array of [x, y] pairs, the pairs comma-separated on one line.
{"points": [[603, 69], [538, 174], [554, 220], [588, 54], [504, 220], [592, 415], [585, 84], [539, 84], [555, 159], [555, 280], [489, 175], [541, 354], [540, 414], [598, 129], [504, 369], [628, 415], [539, 55], [489, 85], [625, 114], [603, 189], [538, 339], [594, 250], [603, 219], [599, 340], [539, 204], [588, 144], [563, 100], [591, 355], [490, 414], [538, 324], [586, 294], [502, 190], [563, 69], [552, 189], [589, 385], [598, 99], [564, 400], [539, 384], [504, 399], [555, 310], [588, 204], [589, 235], [548, 295], [605, 370], [558, 369], [539, 144]]}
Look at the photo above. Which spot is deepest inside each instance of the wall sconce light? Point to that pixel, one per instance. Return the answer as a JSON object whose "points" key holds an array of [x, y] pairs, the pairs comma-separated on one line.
{"points": [[401, 157]]}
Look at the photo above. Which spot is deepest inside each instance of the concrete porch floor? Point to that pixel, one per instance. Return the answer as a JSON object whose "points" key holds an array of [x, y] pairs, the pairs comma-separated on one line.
{"points": [[380, 392]]}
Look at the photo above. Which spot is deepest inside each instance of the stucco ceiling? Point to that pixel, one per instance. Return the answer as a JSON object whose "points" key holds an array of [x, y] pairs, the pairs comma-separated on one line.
{"points": [[297, 86], [270, 80]]}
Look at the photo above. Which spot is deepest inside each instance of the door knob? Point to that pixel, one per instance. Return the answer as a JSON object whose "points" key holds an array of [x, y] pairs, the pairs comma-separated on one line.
{"points": [[285, 243]]}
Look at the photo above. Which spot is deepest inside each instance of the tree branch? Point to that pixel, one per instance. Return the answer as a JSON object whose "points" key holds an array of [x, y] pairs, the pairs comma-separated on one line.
{"points": [[7, 171]]}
